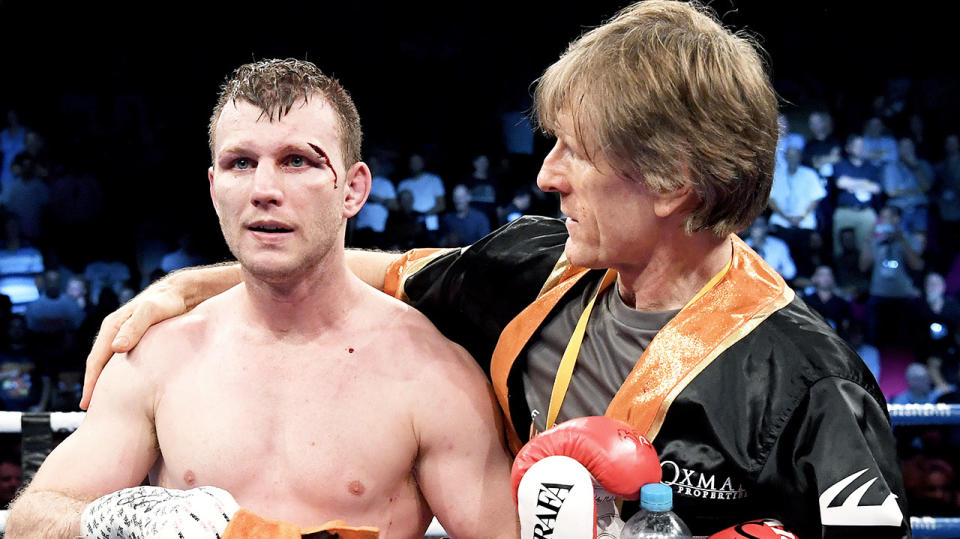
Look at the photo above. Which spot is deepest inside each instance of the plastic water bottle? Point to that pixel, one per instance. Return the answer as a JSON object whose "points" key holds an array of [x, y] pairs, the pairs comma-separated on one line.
{"points": [[655, 520]]}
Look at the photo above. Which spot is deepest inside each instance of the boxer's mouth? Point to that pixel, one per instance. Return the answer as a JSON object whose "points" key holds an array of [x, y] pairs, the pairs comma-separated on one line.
{"points": [[271, 227]]}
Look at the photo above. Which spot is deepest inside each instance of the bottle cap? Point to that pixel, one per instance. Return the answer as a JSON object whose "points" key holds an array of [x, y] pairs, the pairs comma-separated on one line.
{"points": [[656, 497]]}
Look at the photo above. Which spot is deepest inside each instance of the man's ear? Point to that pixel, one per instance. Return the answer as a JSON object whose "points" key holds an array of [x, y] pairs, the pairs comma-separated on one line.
{"points": [[675, 202], [679, 201], [213, 193], [357, 188]]}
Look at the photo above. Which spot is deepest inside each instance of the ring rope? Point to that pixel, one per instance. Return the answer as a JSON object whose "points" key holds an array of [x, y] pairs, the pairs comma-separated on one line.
{"points": [[900, 415]]}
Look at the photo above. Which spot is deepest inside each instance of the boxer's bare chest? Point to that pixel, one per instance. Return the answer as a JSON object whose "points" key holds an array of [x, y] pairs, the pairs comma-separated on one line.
{"points": [[299, 433]]}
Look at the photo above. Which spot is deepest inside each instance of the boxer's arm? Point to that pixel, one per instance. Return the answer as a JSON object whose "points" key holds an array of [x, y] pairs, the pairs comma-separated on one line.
{"points": [[463, 467], [113, 448], [171, 296]]}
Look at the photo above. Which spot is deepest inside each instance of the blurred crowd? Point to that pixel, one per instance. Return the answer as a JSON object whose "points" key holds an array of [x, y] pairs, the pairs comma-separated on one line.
{"points": [[863, 222]]}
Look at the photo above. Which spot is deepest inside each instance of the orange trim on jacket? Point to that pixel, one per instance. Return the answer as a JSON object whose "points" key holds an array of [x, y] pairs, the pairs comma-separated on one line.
{"points": [[741, 299]]}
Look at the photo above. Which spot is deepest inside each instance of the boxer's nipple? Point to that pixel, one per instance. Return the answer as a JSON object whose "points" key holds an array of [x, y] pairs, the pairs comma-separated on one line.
{"points": [[189, 478], [356, 488]]}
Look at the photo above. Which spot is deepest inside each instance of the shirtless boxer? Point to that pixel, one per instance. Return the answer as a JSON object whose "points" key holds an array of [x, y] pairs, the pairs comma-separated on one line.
{"points": [[303, 392]]}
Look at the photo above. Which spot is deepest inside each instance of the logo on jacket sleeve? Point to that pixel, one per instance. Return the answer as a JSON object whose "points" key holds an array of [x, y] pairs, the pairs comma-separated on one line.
{"points": [[851, 513]]}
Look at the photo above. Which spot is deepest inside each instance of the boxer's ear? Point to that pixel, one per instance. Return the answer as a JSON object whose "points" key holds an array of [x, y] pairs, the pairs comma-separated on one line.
{"points": [[356, 187], [213, 192]]}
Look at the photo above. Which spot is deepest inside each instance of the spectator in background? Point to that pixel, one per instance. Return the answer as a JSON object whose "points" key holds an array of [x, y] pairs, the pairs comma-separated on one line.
{"points": [[371, 221], [189, 253], [518, 206], [405, 230], [484, 188], [79, 292], [856, 337], [916, 131], [822, 149], [944, 362], [26, 197], [12, 143], [11, 479], [19, 265], [879, 148], [890, 256], [23, 387], [786, 140], [76, 202], [919, 390], [825, 300], [773, 250], [428, 192], [906, 182], [858, 194], [936, 315], [465, 225], [103, 274], [53, 313], [793, 200], [947, 190]]}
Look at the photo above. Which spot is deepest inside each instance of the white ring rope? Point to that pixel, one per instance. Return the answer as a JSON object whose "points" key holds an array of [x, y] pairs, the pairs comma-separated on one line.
{"points": [[909, 414]]}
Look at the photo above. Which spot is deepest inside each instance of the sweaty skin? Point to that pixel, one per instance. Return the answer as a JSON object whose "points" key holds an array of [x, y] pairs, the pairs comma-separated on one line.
{"points": [[302, 391]]}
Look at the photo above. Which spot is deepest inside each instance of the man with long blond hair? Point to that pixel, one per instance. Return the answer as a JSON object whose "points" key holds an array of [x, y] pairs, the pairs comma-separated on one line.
{"points": [[644, 299]]}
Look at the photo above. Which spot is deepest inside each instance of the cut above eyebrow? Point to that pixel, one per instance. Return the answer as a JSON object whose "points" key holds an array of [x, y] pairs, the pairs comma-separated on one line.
{"points": [[323, 155], [319, 152]]}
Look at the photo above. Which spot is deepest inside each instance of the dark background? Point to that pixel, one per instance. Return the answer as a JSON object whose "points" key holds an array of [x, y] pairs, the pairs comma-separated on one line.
{"points": [[125, 89]]}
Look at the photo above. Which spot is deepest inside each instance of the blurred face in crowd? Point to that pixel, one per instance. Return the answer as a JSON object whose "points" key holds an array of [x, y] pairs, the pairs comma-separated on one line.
{"points": [[952, 145], [855, 148], [918, 378], [416, 164], [889, 216], [11, 479], [280, 187], [461, 198], [793, 156], [907, 150], [481, 164], [819, 125], [934, 286], [823, 278], [874, 128]]}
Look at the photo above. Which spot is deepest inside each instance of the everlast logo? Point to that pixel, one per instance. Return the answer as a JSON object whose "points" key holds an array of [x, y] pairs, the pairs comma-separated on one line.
{"points": [[694, 484], [549, 500]]}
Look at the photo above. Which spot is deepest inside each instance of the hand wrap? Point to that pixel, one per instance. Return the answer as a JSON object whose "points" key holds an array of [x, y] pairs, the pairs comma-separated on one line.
{"points": [[140, 512]]}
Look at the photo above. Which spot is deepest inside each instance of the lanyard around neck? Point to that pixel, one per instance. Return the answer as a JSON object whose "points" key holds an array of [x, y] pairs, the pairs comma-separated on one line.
{"points": [[569, 359]]}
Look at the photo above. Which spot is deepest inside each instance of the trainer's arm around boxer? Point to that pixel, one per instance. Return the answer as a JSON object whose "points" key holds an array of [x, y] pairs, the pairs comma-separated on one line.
{"points": [[114, 448], [183, 290]]}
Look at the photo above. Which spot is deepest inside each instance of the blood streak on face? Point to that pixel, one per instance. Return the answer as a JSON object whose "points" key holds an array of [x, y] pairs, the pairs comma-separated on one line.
{"points": [[323, 156]]}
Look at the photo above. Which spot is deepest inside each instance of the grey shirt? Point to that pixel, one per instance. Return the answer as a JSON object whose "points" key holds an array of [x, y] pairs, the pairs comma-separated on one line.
{"points": [[615, 339]]}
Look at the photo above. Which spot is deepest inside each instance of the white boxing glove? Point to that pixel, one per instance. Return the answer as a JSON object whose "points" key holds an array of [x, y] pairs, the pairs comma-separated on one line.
{"points": [[156, 512]]}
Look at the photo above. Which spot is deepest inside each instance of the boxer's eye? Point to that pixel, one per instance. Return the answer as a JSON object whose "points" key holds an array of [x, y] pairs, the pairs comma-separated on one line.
{"points": [[241, 164]]}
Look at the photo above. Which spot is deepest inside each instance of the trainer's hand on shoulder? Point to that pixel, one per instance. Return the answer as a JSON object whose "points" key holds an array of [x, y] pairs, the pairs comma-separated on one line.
{"points": [[122, 329]]}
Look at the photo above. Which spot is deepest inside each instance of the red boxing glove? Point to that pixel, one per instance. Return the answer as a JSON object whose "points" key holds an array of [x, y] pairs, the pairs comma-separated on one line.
{"points": [[755, 529], [566, 479], [620, 459]]}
